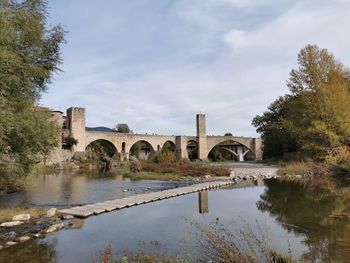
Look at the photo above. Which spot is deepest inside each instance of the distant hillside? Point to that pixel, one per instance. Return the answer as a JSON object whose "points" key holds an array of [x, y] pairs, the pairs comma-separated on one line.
{"points": [[100, 129]]}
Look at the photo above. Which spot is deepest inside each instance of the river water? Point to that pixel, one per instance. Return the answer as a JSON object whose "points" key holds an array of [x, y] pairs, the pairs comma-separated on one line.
{"points": [[311, 219]]}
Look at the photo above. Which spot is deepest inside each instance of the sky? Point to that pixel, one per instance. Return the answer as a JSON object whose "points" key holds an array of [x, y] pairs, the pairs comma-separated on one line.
{"points": [[155, 64]]}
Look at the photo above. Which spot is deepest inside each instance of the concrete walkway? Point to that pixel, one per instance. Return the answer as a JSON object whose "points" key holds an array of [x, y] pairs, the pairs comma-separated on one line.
{"points": [[107, 206]]}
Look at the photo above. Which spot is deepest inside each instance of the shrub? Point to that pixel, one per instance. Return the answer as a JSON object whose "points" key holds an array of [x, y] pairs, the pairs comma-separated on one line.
{"points": [[185, 169]]}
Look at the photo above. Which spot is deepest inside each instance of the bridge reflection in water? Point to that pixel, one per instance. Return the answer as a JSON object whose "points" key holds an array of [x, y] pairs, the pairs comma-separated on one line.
{"points": [[203, 202]]}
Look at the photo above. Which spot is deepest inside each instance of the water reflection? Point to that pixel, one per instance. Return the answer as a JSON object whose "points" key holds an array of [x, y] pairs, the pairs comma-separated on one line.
{"points": [[33, 251], [259, 182], [320, 211], [63, 189], [203, 202]]}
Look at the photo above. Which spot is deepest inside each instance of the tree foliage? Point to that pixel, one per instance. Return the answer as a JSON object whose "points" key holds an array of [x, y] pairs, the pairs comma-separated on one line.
{"points": [[315, 117], [123, 128], [167, 154], [29, 56], [69, 142], [277, 139]]}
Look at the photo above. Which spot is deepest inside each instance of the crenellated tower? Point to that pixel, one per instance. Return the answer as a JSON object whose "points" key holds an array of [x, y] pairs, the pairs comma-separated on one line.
{"points": [[76, 126]]}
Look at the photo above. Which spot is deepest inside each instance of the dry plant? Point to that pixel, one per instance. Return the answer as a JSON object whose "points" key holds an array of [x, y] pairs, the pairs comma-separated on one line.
{"points": [[220, 245], [107, 256], [216, 244]]}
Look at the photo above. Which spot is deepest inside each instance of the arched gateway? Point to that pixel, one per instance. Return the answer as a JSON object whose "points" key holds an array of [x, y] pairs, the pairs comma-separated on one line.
{"points": [[201, 144]]}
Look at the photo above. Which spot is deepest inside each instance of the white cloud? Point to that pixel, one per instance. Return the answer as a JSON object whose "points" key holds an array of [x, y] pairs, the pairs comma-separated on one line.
{"points": [[156, 66]]}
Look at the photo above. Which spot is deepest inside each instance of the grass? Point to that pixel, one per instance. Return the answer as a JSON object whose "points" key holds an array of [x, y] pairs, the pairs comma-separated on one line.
{"points": [[124, 169], [6, 214], [304, 169], [157, 176], [185, 169], [341, 170], [172, 171], [295, 168], [270, 161]]}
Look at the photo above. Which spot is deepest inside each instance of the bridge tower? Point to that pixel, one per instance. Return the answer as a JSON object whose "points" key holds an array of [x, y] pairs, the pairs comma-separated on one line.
{"points": [[202, 137], [76, 126]]}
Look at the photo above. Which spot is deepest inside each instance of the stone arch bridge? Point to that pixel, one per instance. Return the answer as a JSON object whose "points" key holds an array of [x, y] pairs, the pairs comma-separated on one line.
{"points": [[240, 146]]}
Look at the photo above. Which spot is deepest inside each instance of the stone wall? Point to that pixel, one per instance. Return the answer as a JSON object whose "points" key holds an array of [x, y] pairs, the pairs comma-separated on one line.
{"points": [[58, 156]]}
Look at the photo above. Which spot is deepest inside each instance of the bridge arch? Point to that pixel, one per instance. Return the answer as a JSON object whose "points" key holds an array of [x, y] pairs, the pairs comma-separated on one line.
{"points": [[101, 147], [169, 145], [192, 149], [229, 148], [141, 149], [102, 140]]}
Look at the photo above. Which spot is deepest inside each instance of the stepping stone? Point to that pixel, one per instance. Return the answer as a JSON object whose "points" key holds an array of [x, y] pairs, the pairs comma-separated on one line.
{"points": [[98, 208]]}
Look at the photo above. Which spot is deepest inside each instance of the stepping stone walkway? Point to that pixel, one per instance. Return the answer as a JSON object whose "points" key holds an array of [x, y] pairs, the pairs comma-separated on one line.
{"points": [[117, 204]]}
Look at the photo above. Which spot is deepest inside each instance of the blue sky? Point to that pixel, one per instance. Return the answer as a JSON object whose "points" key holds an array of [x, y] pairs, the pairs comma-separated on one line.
{"points": [[154, 64]]}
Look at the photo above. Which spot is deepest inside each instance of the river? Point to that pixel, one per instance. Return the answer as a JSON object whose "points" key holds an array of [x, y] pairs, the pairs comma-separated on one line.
{"points": [[309, 219]]}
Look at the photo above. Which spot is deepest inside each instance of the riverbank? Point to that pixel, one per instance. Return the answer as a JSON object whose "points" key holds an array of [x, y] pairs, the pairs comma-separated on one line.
{"points": [[309, 169], [21, 224], [173, 171]]}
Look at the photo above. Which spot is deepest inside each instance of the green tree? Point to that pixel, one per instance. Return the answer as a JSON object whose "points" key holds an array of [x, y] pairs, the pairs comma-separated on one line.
{"points": [[167, 154], [29, 56], [315, 118], [277, 140], [319, 116], [123, 128], [69, 142]]}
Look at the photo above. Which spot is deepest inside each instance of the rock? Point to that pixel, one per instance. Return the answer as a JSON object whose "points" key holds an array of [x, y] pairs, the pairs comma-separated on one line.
{"points": [[51, 212], [10, 234], [23, 239], [11, 224], [75, 166], [1, 247], [232, 174], [10, 243], [125, 190], [66, 217], [37, 235], [21, 217], [207, 176], [54, 228]]}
